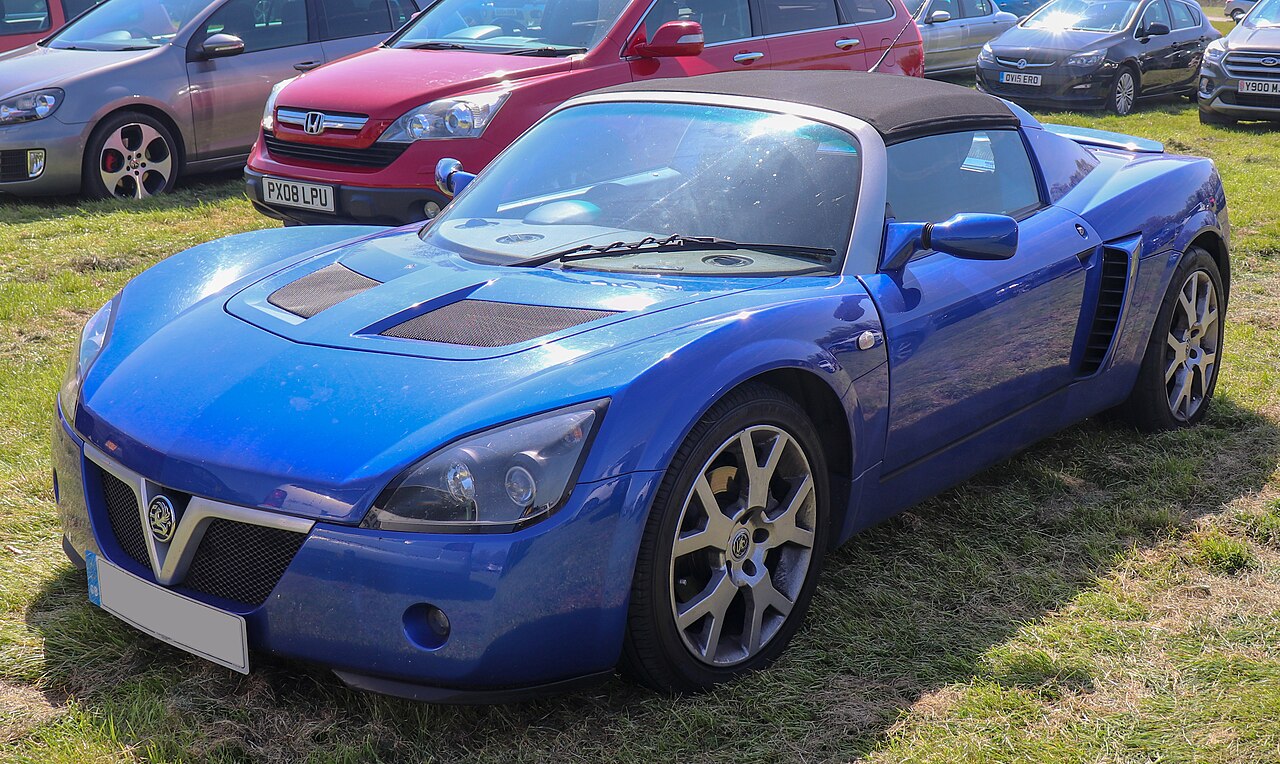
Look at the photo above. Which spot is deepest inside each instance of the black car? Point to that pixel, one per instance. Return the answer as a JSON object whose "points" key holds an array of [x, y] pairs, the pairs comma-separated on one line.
{"points": [[1089, 54], [1240, 76]]}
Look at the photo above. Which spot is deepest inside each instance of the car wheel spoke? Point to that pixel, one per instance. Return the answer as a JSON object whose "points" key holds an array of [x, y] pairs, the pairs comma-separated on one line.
{"points": [[760, 475], [784, 528], [714, 533], [762, 597], [713, 601]]}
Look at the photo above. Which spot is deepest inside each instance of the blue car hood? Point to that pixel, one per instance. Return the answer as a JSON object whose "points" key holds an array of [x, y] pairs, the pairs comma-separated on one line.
{"points": [[232, 398]]}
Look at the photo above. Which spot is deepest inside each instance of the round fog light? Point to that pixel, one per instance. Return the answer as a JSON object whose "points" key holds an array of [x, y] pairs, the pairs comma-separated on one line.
{"points": [[426, 626], [430, 209]]}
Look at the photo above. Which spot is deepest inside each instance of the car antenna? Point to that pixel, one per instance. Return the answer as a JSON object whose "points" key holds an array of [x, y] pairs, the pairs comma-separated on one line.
{"points": [[896, 37]]}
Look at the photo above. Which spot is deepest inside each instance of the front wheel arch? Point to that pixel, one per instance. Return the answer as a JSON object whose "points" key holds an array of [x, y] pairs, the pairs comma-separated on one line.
{"points": [[160, 115]]}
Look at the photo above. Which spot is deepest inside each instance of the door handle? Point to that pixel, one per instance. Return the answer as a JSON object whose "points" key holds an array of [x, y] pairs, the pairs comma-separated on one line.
{"points": [[746, 58], [846, 43], [306, 66]]}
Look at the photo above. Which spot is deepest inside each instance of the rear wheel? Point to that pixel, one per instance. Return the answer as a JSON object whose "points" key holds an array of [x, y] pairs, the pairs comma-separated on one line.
{"points": [[1124, 92], [1236, 15], [131, 156], [1180, 366], [732, 548]]}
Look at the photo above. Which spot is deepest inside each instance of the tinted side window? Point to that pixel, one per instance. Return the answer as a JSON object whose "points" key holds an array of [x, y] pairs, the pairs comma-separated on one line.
{"points": [[865, 11], [933, 178], [1155, 13], [23, 16], [1182, 18], [353, 18], [797, 15], [972, 8], [722, 20], [262, 24]]}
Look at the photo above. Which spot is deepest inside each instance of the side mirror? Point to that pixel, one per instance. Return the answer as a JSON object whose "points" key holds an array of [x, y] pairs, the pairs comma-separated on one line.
{"points": [[968, 236], [221, 46], [450, 178], [1156, 28], [674, 38], [939, 17]]}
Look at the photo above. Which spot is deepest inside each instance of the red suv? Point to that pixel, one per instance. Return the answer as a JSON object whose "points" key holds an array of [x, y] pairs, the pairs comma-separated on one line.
{"points": [[22, 22], [358, 140]]}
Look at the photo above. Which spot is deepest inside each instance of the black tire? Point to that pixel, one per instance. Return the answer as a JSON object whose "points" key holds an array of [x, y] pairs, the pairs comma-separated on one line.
{"points": [[1115, 103], [1213, 118], [149, 165], [1236, 15], [654, 650], [1148, 407]]}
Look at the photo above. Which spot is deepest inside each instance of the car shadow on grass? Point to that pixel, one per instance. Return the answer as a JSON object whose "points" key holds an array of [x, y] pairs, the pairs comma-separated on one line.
{"points": [[904, 611], [195, 189]]}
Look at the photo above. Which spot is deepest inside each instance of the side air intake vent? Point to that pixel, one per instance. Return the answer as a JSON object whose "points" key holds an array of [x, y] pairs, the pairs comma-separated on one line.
{"points": [[480, 323], [320, 290], [1106, 317]]}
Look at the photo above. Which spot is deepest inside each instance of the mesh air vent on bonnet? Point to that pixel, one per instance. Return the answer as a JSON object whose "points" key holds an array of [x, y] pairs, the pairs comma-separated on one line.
{"points": [[480, 323], [320, 290]]}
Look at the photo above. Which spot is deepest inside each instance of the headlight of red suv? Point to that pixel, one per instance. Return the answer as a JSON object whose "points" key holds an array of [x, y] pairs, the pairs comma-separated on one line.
{"points": [[462, 117]]}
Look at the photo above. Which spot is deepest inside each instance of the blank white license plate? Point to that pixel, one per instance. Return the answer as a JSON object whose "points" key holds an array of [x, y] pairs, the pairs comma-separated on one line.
{"points": [[213, 634], [1255, 86], [1018, 78], [291, 193]]}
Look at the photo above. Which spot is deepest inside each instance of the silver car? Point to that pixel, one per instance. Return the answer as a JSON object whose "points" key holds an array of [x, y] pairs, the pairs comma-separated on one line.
{"points": [[1236, 9], [955, 30], [136, 92]]}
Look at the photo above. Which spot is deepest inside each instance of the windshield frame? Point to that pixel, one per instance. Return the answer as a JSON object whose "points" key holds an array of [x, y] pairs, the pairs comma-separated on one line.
{"points": [[861, 254], [1139, 7], [181, 37]]}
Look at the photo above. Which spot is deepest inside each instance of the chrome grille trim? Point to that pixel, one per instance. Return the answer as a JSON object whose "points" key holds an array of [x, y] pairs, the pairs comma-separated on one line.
{"points": [[298, 118], [1013, 64], [1247, 64]]}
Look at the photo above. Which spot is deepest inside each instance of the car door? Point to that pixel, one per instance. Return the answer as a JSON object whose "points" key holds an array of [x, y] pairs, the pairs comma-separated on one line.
{"points": [[228, 94], [809, 34], [731, 35], [972, 342], [1156, 56], [983, 21], [350, 26], [944, 46], [1189, 40]]}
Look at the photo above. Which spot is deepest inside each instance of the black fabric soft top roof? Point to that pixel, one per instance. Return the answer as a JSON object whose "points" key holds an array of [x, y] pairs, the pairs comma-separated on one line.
{"points": [[898, 107]]}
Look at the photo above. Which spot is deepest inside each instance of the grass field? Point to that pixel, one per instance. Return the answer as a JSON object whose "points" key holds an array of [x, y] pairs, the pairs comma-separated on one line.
{"points": [[1104, 597]]}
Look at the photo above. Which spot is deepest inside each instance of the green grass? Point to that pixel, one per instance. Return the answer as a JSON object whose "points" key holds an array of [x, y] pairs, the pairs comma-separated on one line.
{"points": [[1104, 597]]}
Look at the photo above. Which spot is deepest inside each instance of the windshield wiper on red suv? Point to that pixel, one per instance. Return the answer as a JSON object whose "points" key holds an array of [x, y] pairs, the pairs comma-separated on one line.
{"points": [[676, 243], [547, 50], [432, 45]]}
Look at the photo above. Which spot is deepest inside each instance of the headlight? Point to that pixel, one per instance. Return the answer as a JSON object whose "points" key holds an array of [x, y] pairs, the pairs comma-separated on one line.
{"points": [[498, 480], [269, 113], [92, 339], [464, 117], [986, 55], [1216, 50], [1091, 60], [27, 107]]}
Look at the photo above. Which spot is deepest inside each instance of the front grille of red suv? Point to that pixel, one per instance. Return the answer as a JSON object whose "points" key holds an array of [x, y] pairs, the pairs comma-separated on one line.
{"points": [[378, 155]]}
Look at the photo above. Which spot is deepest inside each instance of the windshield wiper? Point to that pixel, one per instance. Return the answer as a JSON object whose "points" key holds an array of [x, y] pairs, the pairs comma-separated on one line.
{"points": [[676, 243], [432, 45], [547, 50]]}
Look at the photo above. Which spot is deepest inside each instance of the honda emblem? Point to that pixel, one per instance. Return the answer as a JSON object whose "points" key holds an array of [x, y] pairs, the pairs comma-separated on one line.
{"points": [[314, 123]]}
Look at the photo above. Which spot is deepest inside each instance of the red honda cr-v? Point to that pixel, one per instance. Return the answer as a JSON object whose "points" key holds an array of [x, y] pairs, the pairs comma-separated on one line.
{"points": [[358, 140]]}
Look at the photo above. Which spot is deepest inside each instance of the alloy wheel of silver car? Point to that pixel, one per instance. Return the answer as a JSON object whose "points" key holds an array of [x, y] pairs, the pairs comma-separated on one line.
{"points": [[744, 544], [135, 162], [1124, 92], [1191, 359]]}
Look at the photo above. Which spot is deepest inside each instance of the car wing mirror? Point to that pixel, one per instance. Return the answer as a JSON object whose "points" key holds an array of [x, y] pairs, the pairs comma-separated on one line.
{"points": [[939, 17], [450, 178], [1156, 28], [671, 40], [968, 236], [221, 45]]}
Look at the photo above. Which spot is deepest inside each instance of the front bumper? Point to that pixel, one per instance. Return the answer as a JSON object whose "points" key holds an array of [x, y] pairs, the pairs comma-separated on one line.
{"points": [[1059, 87], [355, 205], [1219, 93], [63, 145], [541, 607]]}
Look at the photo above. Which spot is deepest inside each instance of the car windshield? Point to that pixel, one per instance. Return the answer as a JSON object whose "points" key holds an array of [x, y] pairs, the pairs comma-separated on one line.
{"points": [[127, 25], [647, 177], [1083, 15], [1264, 14], [552, 27]]}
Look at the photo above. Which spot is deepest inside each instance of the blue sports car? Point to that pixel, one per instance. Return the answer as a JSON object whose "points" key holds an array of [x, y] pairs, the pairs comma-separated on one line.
{"points": [[613, 405]]}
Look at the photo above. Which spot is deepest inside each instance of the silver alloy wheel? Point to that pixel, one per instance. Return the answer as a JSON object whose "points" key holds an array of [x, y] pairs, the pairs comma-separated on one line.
{"points": [[1191, 357], [743, 545], [1236, 15], [1124, 92], [135, 162]]}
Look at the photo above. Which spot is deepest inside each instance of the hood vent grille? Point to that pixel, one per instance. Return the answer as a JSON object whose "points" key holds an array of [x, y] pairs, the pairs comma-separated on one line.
{"points": [[1106, 319], [480, 323], [320, 290]]}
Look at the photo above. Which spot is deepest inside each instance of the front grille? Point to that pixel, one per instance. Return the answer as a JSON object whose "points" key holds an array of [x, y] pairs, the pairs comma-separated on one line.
{"points": [[1247, 64], [13, 165], [480, 323], [1030, 63], [1106, 317], [241, 562], [320, 290], [122, 513], [378, 155], [1258, 100]]}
